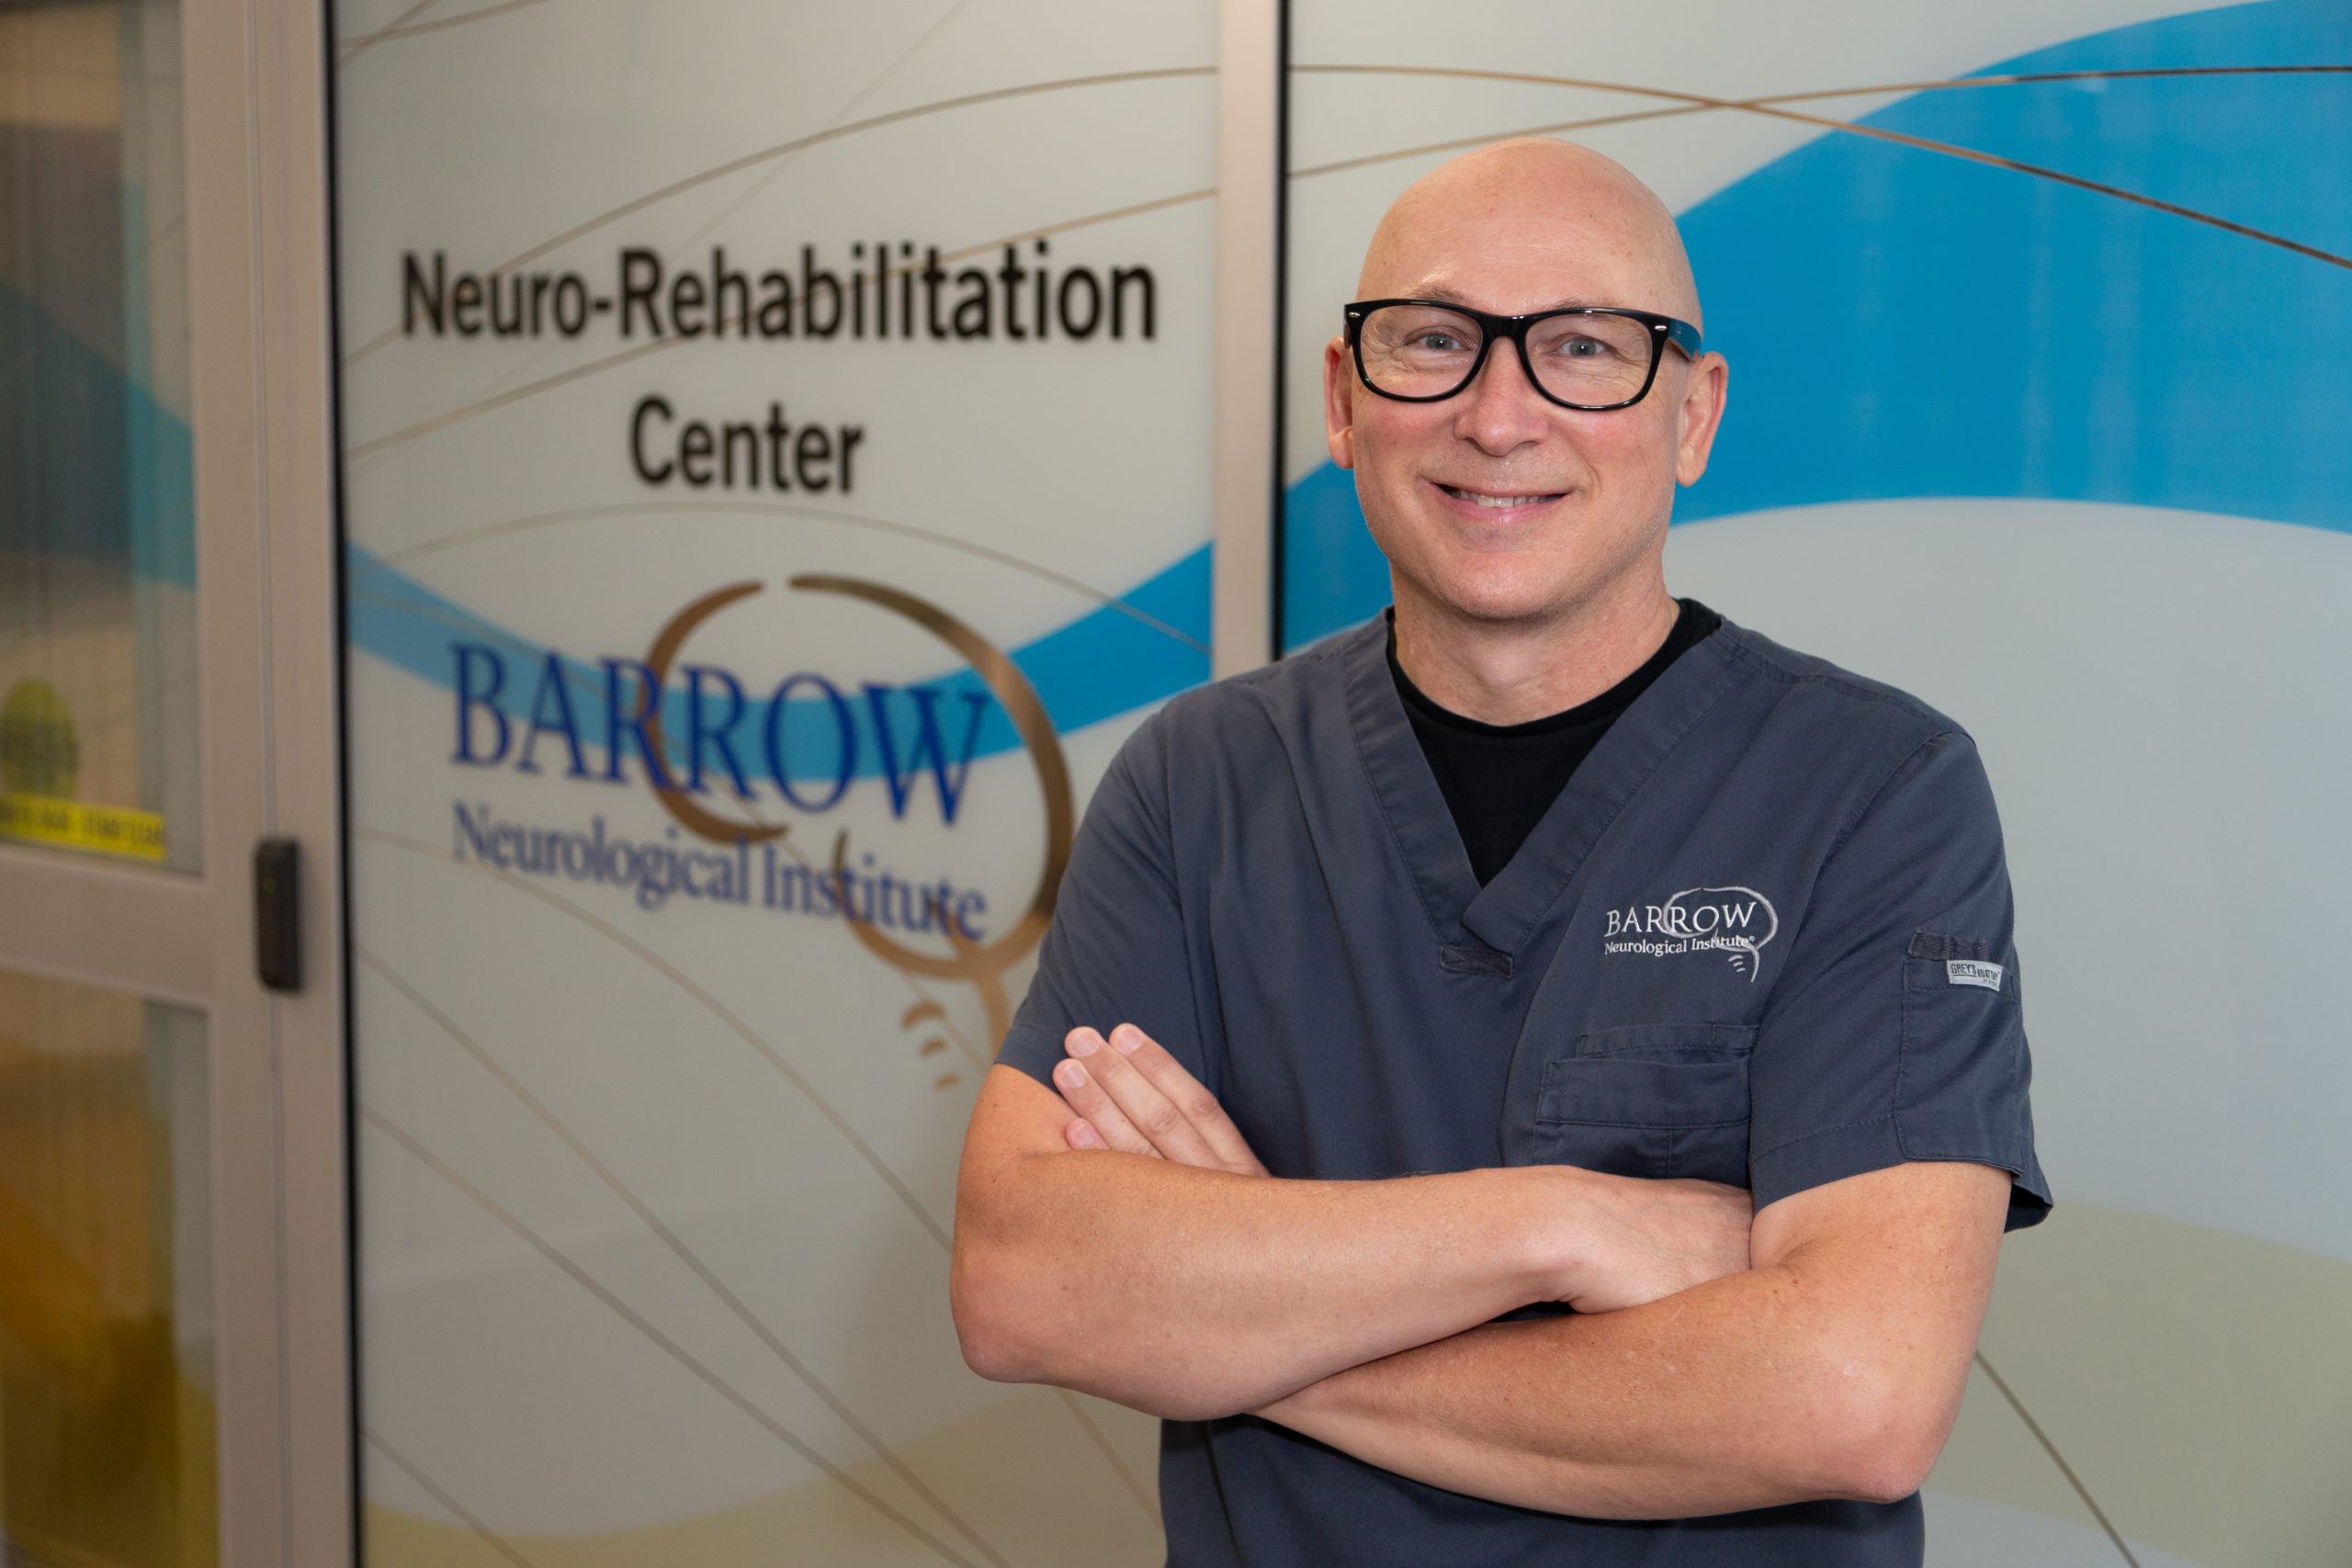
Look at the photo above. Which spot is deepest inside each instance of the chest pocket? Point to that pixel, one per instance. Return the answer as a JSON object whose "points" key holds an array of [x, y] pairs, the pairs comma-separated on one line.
{"points": [[1650, 1099]]}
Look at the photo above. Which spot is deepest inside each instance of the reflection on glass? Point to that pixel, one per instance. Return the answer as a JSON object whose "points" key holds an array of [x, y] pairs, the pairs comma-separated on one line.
{"points": [[106, 1292], [98, 551]]}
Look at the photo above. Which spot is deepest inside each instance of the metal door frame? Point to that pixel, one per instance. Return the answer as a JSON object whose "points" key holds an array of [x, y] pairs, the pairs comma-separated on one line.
{"points": [[267, 689]]}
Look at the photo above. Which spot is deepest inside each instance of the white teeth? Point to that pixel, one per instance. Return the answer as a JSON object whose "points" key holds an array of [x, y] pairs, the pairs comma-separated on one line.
{"points": [[1494, 501]]}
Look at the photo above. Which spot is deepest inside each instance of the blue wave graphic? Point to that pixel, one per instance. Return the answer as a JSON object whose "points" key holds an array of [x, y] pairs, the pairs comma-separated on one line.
{"points": [[1903, 323], [1087, 671], [93, 466]]}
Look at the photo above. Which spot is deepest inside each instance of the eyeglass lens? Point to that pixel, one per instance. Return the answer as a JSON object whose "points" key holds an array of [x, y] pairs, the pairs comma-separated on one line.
{"points": [[1426, 351]]}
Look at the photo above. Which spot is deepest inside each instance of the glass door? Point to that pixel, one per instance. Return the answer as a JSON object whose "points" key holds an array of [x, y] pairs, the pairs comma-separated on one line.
{"points": [[173, 1368]]}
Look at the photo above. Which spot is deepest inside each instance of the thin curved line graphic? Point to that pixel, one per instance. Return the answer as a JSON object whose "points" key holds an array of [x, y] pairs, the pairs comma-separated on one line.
{"points": [[635, 1320], [2098, 187], [674, 797], [354, 48], [1109, 601], [530, 388], [1678, 110], [946, 1019], [530, 362], [432, 851], [983, 963], [397, 30], [496, 1542], [1151, 1504], [685, 1254], [1690, 103], [1697, 102], [686, 983], [1481, 140], [1020, 702], [2113, 1535], [963, 1040], [574, 680], [2041, 78], [834, 133], [354, 452]]}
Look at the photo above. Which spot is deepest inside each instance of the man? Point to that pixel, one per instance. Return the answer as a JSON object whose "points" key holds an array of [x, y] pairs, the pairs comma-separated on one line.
{"points": [[1564, 1083]]}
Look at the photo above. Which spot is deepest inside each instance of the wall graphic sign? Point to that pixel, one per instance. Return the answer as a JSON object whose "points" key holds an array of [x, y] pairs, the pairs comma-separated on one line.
{"points": [[766, 515], [1963, 265]]}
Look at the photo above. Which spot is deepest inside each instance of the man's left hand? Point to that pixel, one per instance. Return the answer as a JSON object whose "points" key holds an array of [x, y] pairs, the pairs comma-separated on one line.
{"points": [[1131, 1095]]}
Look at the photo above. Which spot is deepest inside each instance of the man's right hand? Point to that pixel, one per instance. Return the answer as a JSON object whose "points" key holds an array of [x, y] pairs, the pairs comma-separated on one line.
{"points": [[1639, 1238], [1627, 1240], [1139, 1098]]}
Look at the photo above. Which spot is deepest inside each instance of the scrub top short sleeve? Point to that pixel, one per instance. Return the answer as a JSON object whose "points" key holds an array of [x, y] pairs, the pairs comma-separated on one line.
{"points": [[1115, 949], [1896, 1031]]}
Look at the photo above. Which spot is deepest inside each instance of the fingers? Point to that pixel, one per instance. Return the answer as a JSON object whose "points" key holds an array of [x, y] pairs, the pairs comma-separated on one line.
{"points": [[1097, 1112], [1150, 1102], [1125, 1108], [1099, 1124], [1199, 1107]]}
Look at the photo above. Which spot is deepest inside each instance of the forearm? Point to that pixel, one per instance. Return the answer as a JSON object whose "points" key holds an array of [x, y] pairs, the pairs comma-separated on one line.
{"points": [[1728, 1395], [1191, 1293]]}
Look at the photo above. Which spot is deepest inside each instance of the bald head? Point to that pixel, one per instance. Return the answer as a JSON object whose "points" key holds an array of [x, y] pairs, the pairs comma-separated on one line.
{"points": [[1547, 221]]}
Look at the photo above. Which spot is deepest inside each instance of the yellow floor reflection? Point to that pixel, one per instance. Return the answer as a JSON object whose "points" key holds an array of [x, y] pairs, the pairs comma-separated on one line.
{"points": [[106, 1442]]}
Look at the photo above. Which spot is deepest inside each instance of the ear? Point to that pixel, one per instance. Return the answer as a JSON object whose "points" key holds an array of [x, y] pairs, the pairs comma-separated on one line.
{"points": [[1703, 393], [1339, 402]]}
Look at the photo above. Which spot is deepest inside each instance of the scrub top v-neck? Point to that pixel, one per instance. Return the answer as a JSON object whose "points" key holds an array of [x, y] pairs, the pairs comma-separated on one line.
{"points": [[1502, 914], [1763, 935], [1499, 779]]}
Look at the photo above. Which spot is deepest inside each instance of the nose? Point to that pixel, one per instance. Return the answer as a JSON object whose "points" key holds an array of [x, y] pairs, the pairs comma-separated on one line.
{"points": [[1500, 409]]}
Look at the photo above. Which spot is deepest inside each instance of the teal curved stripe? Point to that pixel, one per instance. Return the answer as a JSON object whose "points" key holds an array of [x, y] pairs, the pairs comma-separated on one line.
{"points": [[102, 471], [91, 466], [99, 470], [1103, 664], [1897, 342]]}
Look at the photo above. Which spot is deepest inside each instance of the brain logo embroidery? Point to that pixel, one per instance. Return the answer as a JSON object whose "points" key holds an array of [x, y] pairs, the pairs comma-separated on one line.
{"points": [[1739, 921]]}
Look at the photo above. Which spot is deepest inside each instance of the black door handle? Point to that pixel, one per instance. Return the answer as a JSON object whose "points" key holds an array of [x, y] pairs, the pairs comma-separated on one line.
{"points": [[277, 911]]}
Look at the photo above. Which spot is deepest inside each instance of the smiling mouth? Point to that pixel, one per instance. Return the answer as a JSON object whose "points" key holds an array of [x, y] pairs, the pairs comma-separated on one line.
{"points": [[1498, 503]]}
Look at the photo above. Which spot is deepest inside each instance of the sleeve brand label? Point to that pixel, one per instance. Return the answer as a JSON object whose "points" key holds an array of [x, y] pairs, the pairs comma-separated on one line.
{"points": [[1969, 972]]}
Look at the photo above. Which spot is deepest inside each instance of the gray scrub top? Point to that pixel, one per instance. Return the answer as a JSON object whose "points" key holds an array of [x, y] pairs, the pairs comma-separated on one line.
{"points": [[1763, 937]]}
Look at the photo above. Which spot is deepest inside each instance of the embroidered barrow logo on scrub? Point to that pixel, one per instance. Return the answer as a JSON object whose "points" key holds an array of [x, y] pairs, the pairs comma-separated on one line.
{"points": [[1735, 921]]}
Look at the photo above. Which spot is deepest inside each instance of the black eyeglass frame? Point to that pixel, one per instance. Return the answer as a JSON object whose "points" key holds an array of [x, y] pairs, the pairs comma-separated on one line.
{"points": [[1663, 329]]}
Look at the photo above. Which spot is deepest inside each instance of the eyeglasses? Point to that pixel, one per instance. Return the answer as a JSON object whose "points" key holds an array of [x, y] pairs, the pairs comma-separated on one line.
{"points": [[1582, 357]]}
